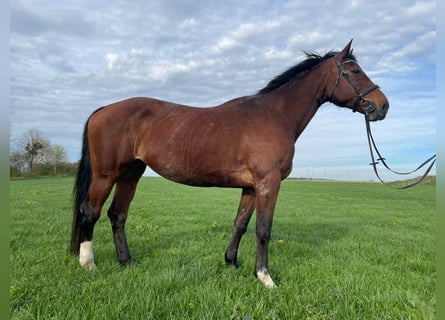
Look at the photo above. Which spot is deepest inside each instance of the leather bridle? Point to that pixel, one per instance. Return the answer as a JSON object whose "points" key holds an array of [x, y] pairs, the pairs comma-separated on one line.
{"points": [[369, 106]]}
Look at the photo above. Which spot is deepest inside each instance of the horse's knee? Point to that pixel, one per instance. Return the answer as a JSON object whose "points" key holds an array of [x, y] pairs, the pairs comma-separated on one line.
{"points": [[263, 233], [241, 227]]}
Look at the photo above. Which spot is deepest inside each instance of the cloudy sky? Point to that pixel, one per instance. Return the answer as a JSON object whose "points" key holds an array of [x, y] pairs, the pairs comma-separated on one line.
{"points": [[67, 58]]}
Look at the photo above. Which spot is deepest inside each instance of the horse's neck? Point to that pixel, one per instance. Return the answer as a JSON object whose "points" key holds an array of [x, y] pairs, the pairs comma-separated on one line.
{"points": [[300, 100]]}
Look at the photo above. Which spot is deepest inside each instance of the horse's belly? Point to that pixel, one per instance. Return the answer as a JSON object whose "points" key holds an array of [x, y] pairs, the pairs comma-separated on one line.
{"points": [[198, 175]]}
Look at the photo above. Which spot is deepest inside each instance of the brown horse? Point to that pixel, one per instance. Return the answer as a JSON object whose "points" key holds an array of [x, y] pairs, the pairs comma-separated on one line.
{"points": [[245, 143]]}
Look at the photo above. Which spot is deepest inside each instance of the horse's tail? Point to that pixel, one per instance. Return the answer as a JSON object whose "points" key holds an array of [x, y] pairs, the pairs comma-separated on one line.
{"points": [[81, 188]]}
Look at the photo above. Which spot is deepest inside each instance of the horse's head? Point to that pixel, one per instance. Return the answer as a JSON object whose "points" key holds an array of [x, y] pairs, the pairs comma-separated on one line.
{"points": [[353, 89]]}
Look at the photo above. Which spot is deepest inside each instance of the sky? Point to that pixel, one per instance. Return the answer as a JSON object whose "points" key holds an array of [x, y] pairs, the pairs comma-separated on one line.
{"points": [[69, 58]]}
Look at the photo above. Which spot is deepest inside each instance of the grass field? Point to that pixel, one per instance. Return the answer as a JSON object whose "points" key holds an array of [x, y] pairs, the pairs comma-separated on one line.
{"points": [[338, 251]]}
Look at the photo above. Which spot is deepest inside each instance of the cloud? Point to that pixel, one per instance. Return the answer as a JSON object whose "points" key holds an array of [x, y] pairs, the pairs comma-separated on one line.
{"points": [[424, 10], [67, 59], [242, 33], [111, 58], [423, 44], [29, 20]]}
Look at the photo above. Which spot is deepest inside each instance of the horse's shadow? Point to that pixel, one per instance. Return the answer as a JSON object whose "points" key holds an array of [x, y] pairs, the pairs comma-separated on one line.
{"points": [[298, 239]]}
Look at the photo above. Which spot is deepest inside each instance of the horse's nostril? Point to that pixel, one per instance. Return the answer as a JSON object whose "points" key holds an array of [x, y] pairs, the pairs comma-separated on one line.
{"points": [[385, 107]]}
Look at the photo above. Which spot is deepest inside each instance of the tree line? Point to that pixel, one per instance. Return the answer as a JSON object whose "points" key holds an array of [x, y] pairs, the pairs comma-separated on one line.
{"points": [[32, 154]]}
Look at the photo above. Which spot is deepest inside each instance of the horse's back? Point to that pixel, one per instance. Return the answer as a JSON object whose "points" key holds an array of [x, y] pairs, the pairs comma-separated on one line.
{"points": [[199, 146], [131, 129]]}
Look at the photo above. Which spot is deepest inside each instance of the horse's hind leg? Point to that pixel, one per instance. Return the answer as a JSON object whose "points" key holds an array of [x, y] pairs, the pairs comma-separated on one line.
{"points": [[99, 190], [118, 212], [245, 210]]}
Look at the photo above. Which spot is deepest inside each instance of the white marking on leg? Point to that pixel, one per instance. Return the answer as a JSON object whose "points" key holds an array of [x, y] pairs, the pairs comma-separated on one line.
{"points": [[264, 277], [86, 257]]}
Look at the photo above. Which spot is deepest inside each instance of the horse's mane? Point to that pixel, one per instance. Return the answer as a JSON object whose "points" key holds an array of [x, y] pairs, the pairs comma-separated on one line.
{"points": [[312, 59]]}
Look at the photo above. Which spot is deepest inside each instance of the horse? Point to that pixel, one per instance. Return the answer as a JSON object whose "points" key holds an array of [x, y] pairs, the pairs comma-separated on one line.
{"points": [[245, 143]]}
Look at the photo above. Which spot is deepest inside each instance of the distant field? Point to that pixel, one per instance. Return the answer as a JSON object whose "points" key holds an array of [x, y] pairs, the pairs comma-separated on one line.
{"points": [[338, 251]]}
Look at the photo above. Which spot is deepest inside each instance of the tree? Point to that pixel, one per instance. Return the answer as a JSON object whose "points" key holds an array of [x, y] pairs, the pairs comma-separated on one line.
{"points": [[30, 145], [18, 161], [58, 155], [33, 149]]}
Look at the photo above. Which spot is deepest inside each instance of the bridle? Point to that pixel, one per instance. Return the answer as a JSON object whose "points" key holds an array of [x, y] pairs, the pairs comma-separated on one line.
{"points": [[370, 107]]}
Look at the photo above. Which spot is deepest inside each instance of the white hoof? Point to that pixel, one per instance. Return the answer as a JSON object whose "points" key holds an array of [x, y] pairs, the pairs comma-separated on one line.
{"points": [[264, 277], [86, 257]]}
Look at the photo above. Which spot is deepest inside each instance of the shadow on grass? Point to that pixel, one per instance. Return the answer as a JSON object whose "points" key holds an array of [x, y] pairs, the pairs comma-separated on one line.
{"points": [[317, 234], [204, 240]]}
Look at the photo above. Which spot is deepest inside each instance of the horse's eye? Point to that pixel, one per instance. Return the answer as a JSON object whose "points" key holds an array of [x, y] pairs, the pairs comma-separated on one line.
{"points": [[356, 71]]}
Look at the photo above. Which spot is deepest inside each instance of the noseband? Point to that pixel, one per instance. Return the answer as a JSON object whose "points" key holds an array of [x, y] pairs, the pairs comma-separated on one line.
{"points": [[369, 106]]}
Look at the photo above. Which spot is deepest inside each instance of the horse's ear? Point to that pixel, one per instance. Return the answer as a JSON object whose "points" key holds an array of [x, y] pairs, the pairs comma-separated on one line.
{"points": [[347, 50]]}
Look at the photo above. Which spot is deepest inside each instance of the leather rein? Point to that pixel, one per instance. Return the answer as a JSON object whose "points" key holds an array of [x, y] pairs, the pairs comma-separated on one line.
{"points": [[370, 107], [372, 145]]}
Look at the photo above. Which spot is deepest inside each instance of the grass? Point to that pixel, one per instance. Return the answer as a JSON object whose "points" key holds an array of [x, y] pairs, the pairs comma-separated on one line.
{"points": [[338, 251]]}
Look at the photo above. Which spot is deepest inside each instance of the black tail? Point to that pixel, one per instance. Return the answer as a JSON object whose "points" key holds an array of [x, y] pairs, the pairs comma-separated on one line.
{"points": [[81, 188]]}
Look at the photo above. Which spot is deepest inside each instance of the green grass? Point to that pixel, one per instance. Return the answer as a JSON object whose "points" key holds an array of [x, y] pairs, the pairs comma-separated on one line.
{"points": [[338, 251]]}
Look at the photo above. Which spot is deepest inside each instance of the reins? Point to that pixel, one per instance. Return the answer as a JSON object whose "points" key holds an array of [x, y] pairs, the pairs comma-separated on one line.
{"points": [[369, 107], [373, 146]]}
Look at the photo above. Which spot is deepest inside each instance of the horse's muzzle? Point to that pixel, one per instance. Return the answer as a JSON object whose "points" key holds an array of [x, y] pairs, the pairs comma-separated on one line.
{"points": [[375, 113]]}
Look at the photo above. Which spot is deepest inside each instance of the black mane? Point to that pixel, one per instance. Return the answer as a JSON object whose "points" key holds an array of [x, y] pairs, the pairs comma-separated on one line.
{"points": [[312, 59]]}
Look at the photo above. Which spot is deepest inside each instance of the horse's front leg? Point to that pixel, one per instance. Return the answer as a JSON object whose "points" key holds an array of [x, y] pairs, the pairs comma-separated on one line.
{"points": [[266, 197]]}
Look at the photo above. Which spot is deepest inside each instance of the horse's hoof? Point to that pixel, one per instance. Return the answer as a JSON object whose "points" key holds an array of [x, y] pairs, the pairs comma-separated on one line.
{"points": [[264, 277]]}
